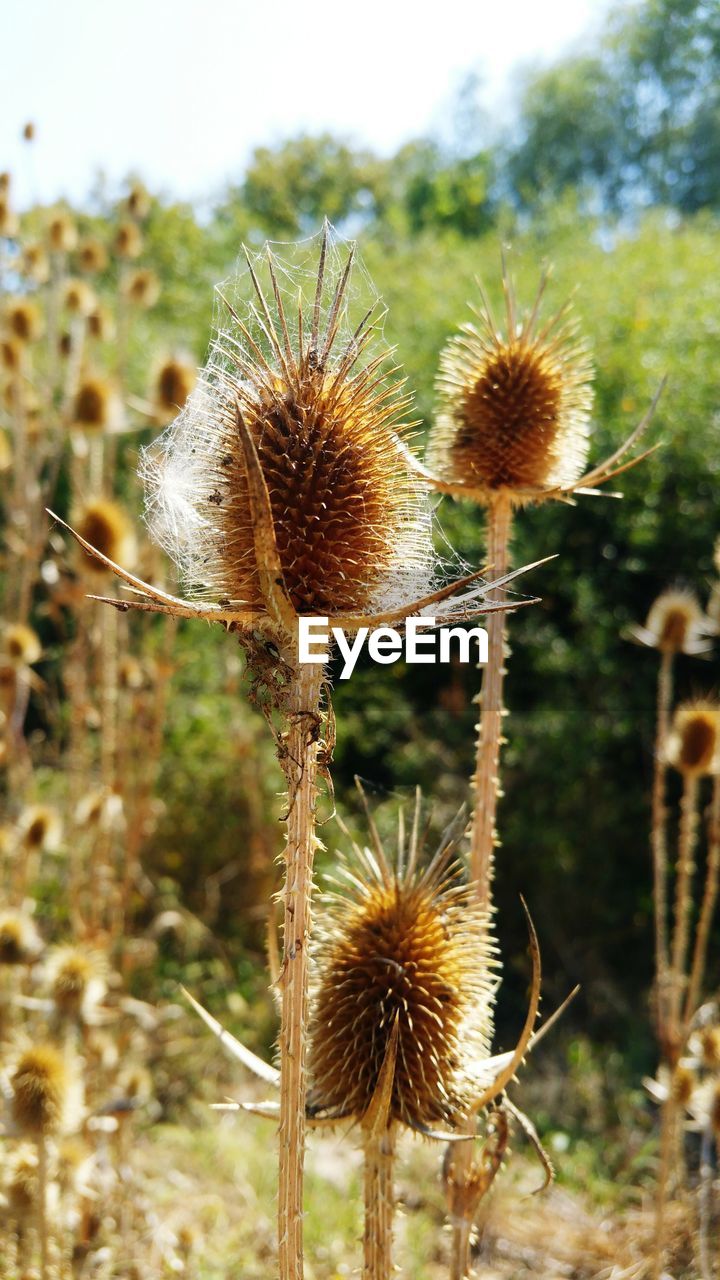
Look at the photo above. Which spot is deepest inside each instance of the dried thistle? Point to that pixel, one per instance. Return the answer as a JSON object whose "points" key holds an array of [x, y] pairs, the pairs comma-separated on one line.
{"points": [[39, 1085], [62, 233], [40, 827], [34, 263], [693, 746], [20, 942], [78, 298], [675, 624], [108, 528], [92, 256], [100, 325], [128, 240], [172, 386], [142, 288], [23, 319], [20, 645], [96, 406], [76, 979]]}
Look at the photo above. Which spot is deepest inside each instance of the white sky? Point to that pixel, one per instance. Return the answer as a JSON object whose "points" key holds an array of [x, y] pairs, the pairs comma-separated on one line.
{"points": [[182, 90]]}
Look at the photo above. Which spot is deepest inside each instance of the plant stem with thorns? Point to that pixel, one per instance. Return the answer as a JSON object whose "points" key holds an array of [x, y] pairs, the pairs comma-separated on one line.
{"points": [[707, 908], [379, 1154], [299, 762], [659, 842]]}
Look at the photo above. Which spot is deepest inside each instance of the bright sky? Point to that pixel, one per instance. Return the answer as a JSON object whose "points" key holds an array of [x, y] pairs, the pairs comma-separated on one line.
{"points": [[182, 90]]}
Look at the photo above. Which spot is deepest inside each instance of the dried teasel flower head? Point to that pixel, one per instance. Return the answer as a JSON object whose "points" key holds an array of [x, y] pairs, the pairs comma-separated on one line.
{"points": [[709, 1038], [40, 1091], [401, 944], [142, 288], [78, 298], [34, 263], [21, 1182], [23, 319], [128, 240], [62, 233], [11, 354], [9, 222], [682, 1085], [20, 645], [20, 942], [92, 256], [76, 980], [138, 201], [40, 827], [514, 405], [693, 745], [108, 527], [100, 325], [173, 383], [102, 808], [96, 405], [675, 624]]}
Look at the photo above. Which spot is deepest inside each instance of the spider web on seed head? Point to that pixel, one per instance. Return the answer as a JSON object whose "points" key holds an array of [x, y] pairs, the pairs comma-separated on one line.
{"points": [[182, 470]]}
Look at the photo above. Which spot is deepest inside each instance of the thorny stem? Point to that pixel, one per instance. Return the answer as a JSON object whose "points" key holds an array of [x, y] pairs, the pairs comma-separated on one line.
{"points": [[659, 841], [299, 761], [379, 1154], [687, 838], [707, 910], [486, 788]]}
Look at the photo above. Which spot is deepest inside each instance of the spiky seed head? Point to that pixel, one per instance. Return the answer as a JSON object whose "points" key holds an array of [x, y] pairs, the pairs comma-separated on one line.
{"points": [[676, 621], [710, 1047], [23, 319], [76, 980], [95, 406], [174, 381], [21, 645], [78, 298], [142, 288], [683, 1085], [108, 528], [34, 263], [350, 522], [21, 1181], [514, 406], [408, 945], [40, 827], [138, 201], [98, 808], [20, 942], [62, 233], [128, 240], [9, 223], [39, 1091], [100, 325], [693, 746], [92, 256]]}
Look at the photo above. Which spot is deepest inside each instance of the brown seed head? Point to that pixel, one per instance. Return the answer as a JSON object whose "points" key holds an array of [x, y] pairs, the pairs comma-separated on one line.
{"points": [[138, 201], [710, 1048], [92, 256], [174, 381], [409, 945], [95, 407], [683, 1084], [107, 527], [39, 1091], [21, 645], [350, 522], [21, 1182], [40, 827], [76, 980], [62, 233], [20, 942], [693, 746], [23, 318], [100, 325], [34, 263], [9, 224], [676, 621], [514, 407], [28, 132], [11, 353], [78, 298], [142, 288], [128, 240]]}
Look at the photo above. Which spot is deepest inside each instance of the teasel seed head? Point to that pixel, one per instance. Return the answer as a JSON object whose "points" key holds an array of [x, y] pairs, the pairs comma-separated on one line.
{"points": [[100, 324], [34, 263], [21, 1182], [20, 942], [693, 746], [76, 979], [174, 382], [514, 406], [20, 645], [96, 406], [39, 1085], [676, 623], [710, 1047], [138, 201], [409, 945], [78, 298], [62, 233], [108, 527], [128, 240], [351, 522], [11, 354], [142, 288], [92, 256], [23, 319], [40, 827], [9, 223], [683, 1085]]}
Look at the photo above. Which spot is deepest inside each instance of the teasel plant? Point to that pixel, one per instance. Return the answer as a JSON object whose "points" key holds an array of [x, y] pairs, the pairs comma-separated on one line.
{"points": [[403, 985], [512, 428], [284, 489]]}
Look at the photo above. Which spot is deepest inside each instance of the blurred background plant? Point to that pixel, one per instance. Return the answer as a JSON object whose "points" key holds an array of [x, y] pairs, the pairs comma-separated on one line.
{"points": [[143, 828]]}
